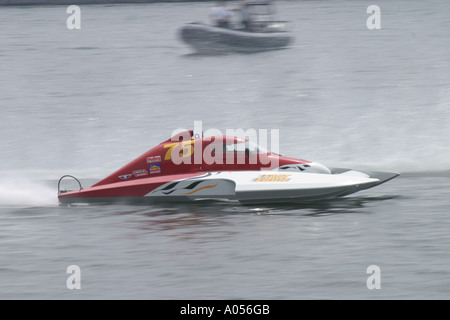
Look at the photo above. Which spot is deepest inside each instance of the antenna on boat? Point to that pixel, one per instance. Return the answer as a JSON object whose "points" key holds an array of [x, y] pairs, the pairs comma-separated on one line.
{"points": [[197, 135], [198, 130]]}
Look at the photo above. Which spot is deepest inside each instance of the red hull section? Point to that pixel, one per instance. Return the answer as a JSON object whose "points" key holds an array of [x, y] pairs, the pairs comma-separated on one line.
{"points": [[161, 165], [135, 188]]}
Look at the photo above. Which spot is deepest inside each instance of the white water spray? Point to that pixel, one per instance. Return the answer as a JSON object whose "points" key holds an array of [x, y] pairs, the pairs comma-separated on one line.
{"points": [[22, 192]]}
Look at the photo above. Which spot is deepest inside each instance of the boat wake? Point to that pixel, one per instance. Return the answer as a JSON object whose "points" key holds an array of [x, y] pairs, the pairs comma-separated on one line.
{"points": [[22, 192]]}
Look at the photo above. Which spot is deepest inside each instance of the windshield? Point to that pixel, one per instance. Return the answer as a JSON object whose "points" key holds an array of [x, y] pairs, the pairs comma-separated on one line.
{"points": [[243, 146], [261, 9]]}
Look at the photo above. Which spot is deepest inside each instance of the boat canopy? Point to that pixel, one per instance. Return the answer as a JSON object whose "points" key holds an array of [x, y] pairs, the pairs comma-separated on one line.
{"points": [[260, 8], [237, 145]]}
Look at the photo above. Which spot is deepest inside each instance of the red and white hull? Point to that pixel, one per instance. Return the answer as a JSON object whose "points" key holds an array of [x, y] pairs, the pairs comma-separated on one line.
{"points": [[233, 169], [242, 186]]}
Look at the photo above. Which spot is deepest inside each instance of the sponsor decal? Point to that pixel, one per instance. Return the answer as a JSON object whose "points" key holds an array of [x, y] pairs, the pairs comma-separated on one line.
{"points": [[154, 168], [274, 178], [154, 159], [140, 173], [125, 176]]}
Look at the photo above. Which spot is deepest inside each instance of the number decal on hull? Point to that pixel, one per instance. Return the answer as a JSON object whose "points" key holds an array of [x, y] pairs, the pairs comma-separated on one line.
{"points": [[187, 149]]}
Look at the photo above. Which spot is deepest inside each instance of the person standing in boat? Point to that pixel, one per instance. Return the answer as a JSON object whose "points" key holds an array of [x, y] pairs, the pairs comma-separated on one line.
{"points": [[220, 15], [245, 15]]}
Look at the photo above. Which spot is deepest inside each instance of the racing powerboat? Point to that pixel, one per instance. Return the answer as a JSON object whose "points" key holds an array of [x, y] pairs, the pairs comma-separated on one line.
{"points": [[187, 167]]}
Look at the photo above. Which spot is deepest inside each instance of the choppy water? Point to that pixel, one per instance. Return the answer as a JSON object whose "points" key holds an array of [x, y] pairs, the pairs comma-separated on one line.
{"points": [[86, 102]]}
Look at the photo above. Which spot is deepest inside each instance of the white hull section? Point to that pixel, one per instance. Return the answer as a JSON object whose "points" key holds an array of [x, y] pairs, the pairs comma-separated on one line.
{"points": [[269, 186]]}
